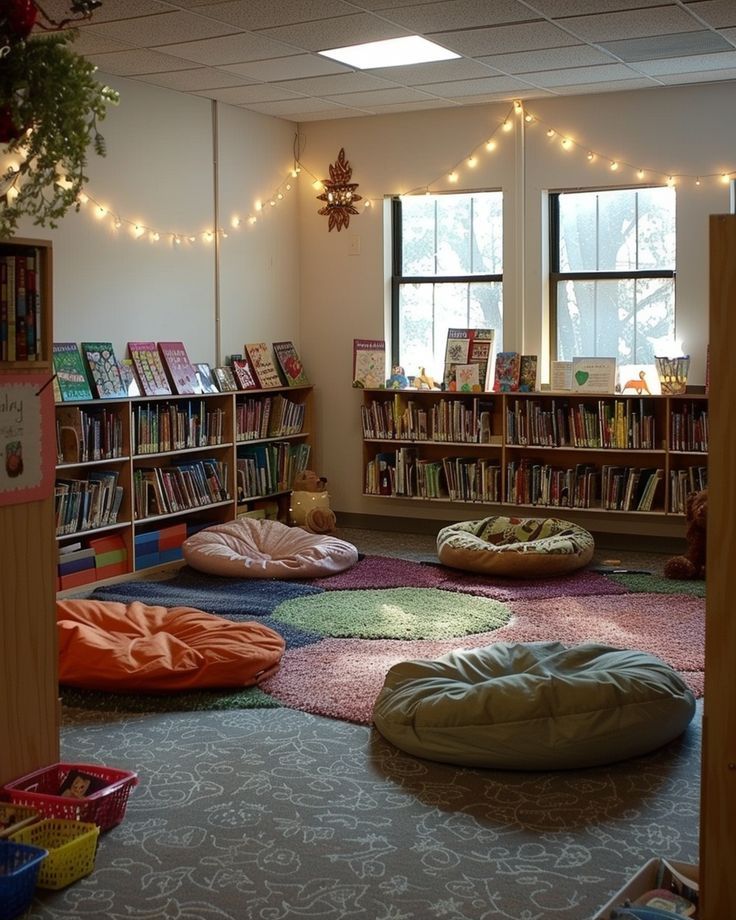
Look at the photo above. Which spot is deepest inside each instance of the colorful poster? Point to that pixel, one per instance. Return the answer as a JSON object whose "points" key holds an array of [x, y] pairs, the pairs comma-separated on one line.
{"points": [[27, 433]]}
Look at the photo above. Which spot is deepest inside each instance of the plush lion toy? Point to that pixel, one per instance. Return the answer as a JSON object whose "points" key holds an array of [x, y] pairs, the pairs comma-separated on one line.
{"points": [[692, 564]]}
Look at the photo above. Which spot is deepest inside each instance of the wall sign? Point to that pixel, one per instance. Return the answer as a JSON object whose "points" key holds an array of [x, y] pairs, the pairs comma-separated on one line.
{"points": [[27, 441]]}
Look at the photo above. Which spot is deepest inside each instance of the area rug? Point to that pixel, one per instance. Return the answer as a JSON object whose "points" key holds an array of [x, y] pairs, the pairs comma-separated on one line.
{"points": [[343, 633]]}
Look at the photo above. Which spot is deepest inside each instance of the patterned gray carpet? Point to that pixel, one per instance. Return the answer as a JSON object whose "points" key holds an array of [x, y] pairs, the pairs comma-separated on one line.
{"points": [[282, 815]]}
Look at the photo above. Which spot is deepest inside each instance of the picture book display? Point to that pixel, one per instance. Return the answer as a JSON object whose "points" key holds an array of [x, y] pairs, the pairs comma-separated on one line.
{"points": [[561, 376], [263, 367], [103, 370], [70, 373], [225, 379], [151, 373], [594, 375], [206, 380], [244, 375], [469, 346], [129, 377], [506, 374], [290, 363], [369, 363], [528, 374], [176, 362]]}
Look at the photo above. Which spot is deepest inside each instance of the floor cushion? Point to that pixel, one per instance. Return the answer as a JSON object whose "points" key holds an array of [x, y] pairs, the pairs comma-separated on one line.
{"points": [[515, 547], [254, 548], [105, 645], [533, 706]]}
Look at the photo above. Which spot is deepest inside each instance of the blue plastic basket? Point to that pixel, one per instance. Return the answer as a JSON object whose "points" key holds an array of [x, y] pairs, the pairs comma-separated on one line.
{"points": [[19, 866]]}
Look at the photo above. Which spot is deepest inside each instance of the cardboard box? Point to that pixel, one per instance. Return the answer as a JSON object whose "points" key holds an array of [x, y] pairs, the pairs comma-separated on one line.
{"points": [[653, 874]]}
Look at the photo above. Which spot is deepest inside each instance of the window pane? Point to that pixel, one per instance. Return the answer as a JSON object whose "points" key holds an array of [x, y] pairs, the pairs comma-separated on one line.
{"points": [[656, 229], [622, 319], [578, 237], [417, 231], [454, 214], [416, 326]]}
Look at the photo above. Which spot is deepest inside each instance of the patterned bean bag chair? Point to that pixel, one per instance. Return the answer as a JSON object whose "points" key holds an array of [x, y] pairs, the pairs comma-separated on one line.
{"points": [[253, 548], [533, 706], [105, 645], [515, 547]]}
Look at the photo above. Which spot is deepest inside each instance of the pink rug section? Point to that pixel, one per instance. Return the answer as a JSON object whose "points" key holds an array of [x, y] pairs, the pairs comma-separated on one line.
{"points": [[389, 572], [341, 678]]}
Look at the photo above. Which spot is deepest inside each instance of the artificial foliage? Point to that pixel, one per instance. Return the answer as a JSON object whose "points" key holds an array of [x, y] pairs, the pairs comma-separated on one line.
{"points": [[50, 107]]}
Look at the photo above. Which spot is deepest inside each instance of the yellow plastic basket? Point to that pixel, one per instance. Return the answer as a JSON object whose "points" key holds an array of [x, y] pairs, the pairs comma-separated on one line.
{"points": [[71, 845]]}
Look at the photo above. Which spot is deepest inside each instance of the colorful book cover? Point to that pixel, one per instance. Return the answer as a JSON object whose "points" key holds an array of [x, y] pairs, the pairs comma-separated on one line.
{"points": [[369, 363], [103, 370], [182, 376], [225, 379], [243, 373], [290, 364], [506, 376], [70, 373], [528, 374], [206, 380], [129, 377], [469, 346], [466, 377], [263, 366], [147, 363]]}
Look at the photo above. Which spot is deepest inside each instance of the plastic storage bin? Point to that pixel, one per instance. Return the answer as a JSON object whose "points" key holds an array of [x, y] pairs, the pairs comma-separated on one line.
{"points": [[19, 866], [71, 846], [105, 806], [14, 817]]}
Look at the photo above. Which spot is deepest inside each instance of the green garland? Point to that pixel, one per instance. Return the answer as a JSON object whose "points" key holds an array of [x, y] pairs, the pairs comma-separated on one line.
{"points": [[49, 93]]}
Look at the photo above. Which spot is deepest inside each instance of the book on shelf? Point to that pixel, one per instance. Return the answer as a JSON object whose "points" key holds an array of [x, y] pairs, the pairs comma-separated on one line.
{"points": [[467, 347], [506, 373], [560, 376], [290, 364], [369, 363], [205, 379], [129, 377], [20, 304], [528, 374], [151, 374], [70, 372], [104, 371], [225, 379], [263, 367], [244, 374], [181, 374]]}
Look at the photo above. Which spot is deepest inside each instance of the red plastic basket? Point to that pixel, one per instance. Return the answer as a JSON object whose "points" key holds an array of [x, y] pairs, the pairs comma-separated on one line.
{"points": [[105, 807], [19, 865]]}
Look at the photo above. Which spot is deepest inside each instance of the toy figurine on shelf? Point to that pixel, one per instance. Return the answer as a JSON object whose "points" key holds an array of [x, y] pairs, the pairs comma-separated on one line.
{"points": [[398, 379], [425, 381]]}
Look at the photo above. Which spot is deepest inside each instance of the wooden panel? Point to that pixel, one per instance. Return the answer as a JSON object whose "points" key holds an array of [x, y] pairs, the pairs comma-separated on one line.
{"points": [[718, 793], [29, 725]]}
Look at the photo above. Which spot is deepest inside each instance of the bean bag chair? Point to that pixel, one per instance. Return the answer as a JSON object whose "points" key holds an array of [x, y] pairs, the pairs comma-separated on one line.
{"points": [[253, 548], [533, 706], [514, 547], [105, 645]]}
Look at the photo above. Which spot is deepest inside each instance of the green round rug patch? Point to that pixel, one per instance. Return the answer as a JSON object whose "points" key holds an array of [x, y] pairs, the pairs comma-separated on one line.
{"points": [[394, 613]]}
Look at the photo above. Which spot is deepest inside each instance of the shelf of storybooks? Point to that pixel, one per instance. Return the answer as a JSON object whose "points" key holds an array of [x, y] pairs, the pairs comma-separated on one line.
{"points": [[25, 303], [537, 450]]}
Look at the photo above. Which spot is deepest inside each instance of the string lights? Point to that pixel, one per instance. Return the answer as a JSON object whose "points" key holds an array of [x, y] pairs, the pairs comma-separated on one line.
{"points": [[469, 162]]}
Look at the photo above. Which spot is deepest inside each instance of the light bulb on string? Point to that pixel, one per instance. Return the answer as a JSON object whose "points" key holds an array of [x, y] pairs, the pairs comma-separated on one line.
{"points": [[614, 165], [491, 145], [472, 162], [453, 177], [591, 156]]}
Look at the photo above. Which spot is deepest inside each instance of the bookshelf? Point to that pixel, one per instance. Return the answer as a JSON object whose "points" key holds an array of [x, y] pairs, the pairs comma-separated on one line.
{"points": [[604, 457], [29, 711], [136, 476]]}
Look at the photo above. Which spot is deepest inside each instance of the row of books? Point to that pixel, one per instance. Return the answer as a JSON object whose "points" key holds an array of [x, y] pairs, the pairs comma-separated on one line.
{"points": [[529, 483], [164, 369], [451, 420], [625, 424], [161, 427], [20, 305], [183, 486], [85, 504], [269, 468], [683, 482], [689, 429], [84, 435], [401, 473], [268, 417]]}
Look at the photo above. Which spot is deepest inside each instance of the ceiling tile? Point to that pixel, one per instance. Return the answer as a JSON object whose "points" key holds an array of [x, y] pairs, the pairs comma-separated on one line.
{"points": [[59, 10], [547, 59], [328, 116], [252, 92], [194, 80], [295, 107], [681, 65], [335, 33], [351, 82], [716, 76], [264, 14], [135, 61], [379, 97], [556, 8], [414, 106], [86, 43], [719, 14], [459, 14], [477, 42], [457, 88], [289, 68], [608, 27], [434, 72], [604, 73], [231, 49], [160, 29], [615, 86], [683, 44]]}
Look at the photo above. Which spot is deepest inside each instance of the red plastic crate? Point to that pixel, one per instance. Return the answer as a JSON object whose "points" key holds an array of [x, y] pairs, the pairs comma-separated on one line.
{"points": [[105, 807]]}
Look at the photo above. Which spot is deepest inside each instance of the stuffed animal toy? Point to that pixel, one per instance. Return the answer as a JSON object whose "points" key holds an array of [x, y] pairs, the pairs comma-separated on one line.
{"points": [[692, 564], [309, 481], [310, 503]]}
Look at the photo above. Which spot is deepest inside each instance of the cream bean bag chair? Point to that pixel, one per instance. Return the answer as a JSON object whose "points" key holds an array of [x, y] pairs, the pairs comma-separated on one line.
{"points": [[253, 548], [534, 706], [515, 547]]}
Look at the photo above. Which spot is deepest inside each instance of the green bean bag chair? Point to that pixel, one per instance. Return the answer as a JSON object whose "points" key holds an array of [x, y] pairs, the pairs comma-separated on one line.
{"points": [[533, 706], [515, 547]]}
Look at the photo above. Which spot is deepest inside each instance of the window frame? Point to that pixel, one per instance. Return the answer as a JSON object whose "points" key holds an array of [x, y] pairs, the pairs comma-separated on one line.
{"points": [[556, 276], [398, 278]]}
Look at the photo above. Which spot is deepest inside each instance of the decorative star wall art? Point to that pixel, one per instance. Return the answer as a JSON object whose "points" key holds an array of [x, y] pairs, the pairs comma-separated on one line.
{"points": [[339, 193]]}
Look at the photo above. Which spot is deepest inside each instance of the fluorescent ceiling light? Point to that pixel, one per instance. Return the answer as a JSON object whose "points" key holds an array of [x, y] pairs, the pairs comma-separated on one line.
{"points": [[392, 52]]}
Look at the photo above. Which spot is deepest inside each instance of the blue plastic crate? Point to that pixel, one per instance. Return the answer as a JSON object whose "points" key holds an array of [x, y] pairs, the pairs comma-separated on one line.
{"points": [[19, 866]]}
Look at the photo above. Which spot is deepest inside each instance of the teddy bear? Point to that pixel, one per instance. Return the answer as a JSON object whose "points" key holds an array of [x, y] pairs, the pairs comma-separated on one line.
{"points": [[692, 564], [310, 503], [309, 481]]}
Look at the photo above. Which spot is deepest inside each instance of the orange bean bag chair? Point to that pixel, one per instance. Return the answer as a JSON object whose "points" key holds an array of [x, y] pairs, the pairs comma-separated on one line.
{"points": [[105, 645]]}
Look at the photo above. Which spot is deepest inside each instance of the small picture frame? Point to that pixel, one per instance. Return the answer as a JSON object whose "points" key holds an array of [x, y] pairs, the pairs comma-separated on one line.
{"points": [[594, 375]]}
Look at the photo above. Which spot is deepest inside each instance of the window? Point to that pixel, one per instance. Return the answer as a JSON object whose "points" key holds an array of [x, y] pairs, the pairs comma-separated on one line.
{"points": [[612, 283], [447, 272]]}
